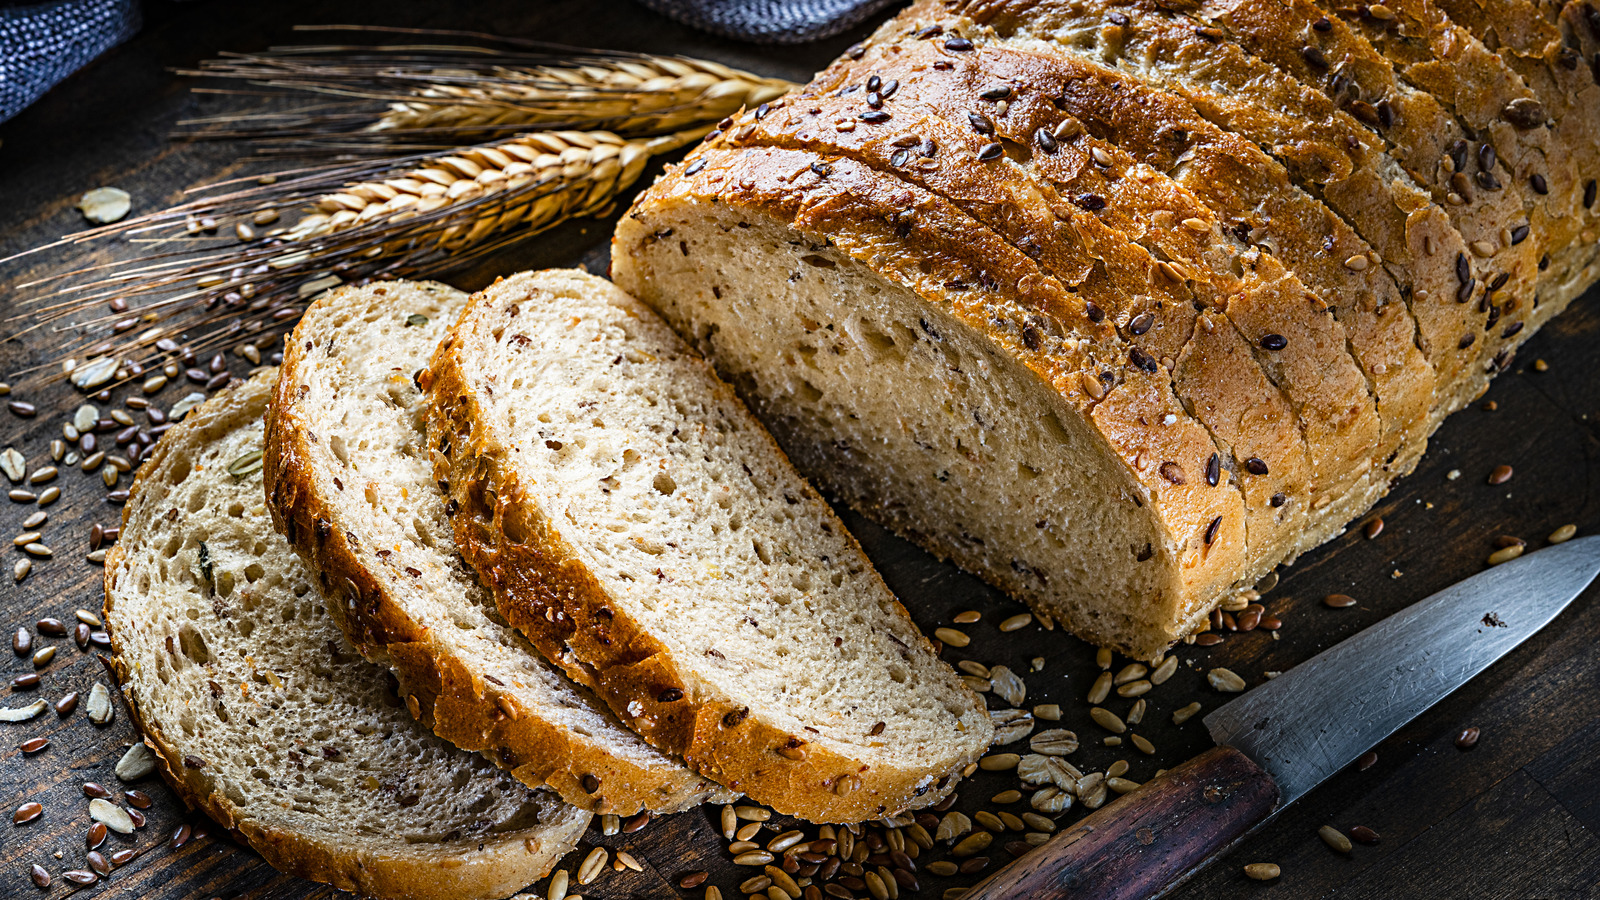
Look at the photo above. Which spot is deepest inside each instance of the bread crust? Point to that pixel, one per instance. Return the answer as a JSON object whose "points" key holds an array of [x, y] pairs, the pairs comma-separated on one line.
{"points": [[440, 689], [484, 869], [546, 589]]}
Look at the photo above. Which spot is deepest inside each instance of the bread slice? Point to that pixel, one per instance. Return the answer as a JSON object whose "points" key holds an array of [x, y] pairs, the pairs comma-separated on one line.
{"points": [[350, 482], [263, 717], [635, 521]]}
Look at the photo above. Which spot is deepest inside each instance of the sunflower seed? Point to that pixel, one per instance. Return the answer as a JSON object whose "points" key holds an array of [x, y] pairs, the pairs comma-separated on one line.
{"points": [[1130, 672], [88, 618], [1334, 838], [1135, 713], [1010, 725], [753, 858], [972, 844], [1563, 534], [1107, 719], [1144, 745], [1505, 554], [100, 707], [1180, 716], [1121, 785], [1134, 688], [105, 204], [95, 374], [1007, 685], [182, 407], [111, 815], [999, 762], [980, 685], [753, 813], [1168, 666], [49, 495], [988, 820], [1225, 680], [951, 637], [1054, 742], [967, 617], [1262, 871], [21, 569], [1008, 796], [973, 667], [1101, 688], [943, 868], [13, 464], [1016, 622]]}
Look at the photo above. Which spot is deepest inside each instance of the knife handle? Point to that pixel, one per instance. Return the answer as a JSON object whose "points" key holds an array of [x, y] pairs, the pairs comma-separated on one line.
{"points": [[1147, 841]]}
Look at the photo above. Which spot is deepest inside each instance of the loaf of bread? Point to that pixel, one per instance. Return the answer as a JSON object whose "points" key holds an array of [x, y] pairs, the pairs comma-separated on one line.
{"points": [[640, 527], [263, 717], [1121, 303], [350, 482]]}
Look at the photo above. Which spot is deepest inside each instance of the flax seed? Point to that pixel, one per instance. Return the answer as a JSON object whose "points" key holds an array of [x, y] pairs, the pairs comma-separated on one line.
{"points": [[1467, 738], [1338, 601]]}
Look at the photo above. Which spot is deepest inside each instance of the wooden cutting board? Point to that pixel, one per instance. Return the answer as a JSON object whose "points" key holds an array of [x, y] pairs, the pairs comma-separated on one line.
{"points": [[1518, 816]]}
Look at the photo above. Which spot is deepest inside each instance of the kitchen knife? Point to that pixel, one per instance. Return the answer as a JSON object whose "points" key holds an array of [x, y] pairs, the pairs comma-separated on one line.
{"points": [[1287, 736]]}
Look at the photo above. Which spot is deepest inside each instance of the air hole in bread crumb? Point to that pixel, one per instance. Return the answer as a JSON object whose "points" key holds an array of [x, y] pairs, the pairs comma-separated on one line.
{"points": [[664, 483]]}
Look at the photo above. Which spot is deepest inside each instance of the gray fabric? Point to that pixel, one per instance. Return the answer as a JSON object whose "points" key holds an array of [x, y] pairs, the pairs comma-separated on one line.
{"points": [[42, 43], [770, 21]]}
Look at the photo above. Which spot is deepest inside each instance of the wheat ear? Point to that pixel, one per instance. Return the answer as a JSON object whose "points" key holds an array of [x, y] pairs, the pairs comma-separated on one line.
{"points": [[413, 217]]}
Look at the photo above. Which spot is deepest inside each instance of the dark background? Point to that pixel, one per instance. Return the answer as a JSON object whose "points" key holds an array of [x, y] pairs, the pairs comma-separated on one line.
{"points": [[1516, 817]]}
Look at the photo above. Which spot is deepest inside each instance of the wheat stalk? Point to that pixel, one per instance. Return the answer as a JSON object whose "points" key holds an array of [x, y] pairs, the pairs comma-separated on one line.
{"points": [[410, 217], [414, 94]]}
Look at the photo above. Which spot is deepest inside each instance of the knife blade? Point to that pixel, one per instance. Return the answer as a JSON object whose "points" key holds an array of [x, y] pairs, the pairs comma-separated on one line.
{"points": [[1280, 740]]}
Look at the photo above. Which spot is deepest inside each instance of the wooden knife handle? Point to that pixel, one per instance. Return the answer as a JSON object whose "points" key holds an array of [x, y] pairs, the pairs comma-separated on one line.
{"points": [[1146, 841]]}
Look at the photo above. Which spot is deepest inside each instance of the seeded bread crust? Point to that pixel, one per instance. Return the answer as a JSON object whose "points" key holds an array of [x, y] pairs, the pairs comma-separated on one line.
{"points": [[512, 720], [1236, 180], [1427, 138], [547, 589], [480, 866]]}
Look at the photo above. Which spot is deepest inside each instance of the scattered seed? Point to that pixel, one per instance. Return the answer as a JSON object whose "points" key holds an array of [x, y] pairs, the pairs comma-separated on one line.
{"points": [[1225, 680], [138, 799], [21, 496], [96, 836], [691, 880], [25, 682], [1468, 738], [1049, 712], [41, 877], [1505, 554], [1107, 719], [49, 495], [1334, 838], [753, 813], [1145, 747], [1004, 797], [1010, 725], [43, 656], [23, 713], [33, 745], [1135, 713], [1017, 622], [80, 877], [636, 823], [1180, 716], [1338, 601], [1500, 475], [1373, 528], [753, 858], [951, 637], [111, 815], [730, 822], [1134, 688], [1165, 670], [999, 762], [1262, 871], [65, 706], [1101, 689], [39, 550], [21, 568], [1361, 834], [26, 813], [967, 617], [1563, 534], [180, 836], [100, 707]]}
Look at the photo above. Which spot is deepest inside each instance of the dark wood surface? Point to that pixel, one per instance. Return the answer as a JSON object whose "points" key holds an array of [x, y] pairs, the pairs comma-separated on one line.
{"points": [[1518, 816]]}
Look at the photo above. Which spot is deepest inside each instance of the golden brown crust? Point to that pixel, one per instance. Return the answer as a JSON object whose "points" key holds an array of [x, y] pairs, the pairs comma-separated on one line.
{"points": [[467, 871], [545, 589], [443, 692]]}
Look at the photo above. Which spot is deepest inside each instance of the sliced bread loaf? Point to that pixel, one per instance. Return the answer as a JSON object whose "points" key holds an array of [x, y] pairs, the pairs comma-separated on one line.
{"points": [[635, 521], [263, 717], [350, 482]]}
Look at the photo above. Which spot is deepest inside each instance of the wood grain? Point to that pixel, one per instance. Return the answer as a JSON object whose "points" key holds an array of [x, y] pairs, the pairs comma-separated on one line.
{"points": [[1518, 816]]}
